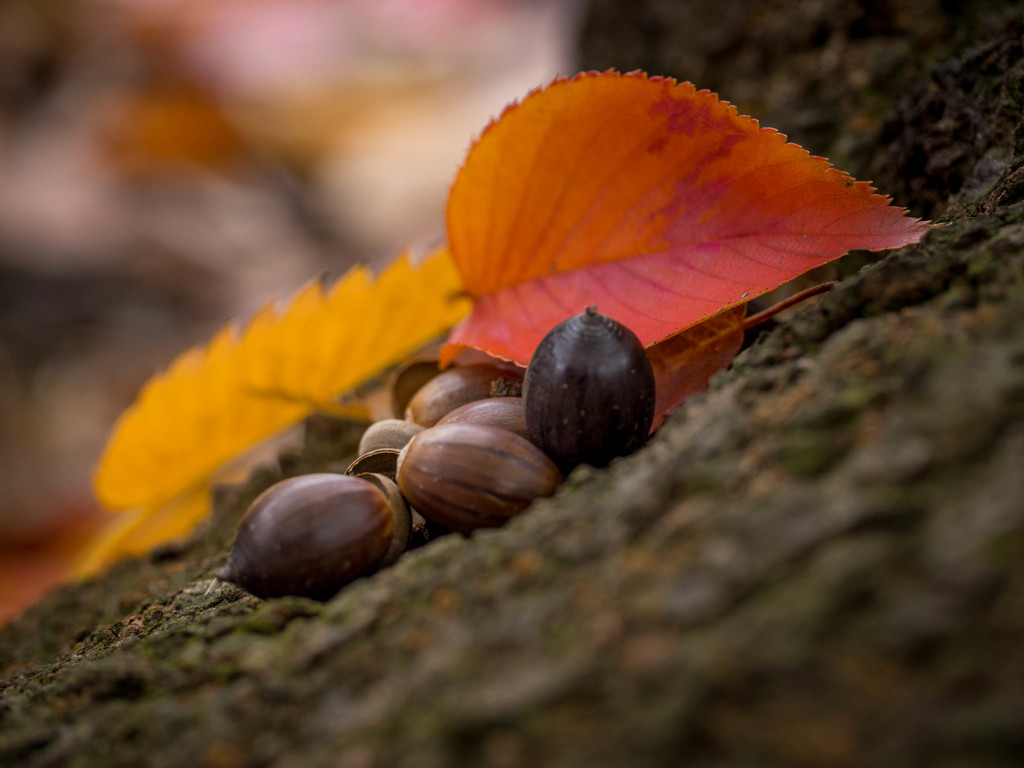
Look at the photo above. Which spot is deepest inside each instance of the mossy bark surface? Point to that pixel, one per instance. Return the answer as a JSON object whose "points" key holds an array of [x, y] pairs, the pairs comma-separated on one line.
{"points": [[819, 561]]}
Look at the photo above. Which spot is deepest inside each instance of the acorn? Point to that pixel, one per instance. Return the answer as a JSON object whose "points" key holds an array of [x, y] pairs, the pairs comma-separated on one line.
{"points": [[469, 476], [504, 412], [410, 377], [400, 512], [387, 433], [589, 391], [458, 386], [312, 534]]}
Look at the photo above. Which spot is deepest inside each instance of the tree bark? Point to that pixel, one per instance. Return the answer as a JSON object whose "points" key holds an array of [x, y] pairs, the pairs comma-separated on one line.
{"points": [[819, 561]]}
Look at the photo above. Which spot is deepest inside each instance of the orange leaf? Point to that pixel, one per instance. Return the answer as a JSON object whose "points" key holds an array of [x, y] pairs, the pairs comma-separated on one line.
{"points": [[653, 200], [170, 125], [684, 363], [214, 404]]}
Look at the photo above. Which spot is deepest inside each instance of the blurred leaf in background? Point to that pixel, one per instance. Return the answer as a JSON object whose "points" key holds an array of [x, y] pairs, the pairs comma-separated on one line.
{"points": [[166, 165]]}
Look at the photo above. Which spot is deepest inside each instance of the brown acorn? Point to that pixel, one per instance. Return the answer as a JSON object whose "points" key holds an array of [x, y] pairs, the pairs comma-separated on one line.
{"points": [[410, 377], [504, 412], [458, 386], [589, 391], [468, 476], [400, 538], [310, 535]]}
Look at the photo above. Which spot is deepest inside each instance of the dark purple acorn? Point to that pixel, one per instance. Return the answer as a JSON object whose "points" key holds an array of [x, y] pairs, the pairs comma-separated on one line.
{"points": [[589, 391], [312, 534]]}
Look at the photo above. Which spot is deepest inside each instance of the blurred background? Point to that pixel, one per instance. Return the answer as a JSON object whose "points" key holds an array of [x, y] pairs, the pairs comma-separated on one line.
{"points": [[169, 165]]}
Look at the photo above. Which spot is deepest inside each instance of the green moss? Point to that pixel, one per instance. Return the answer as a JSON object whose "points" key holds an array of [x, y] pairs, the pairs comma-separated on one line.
{"points": [[807, 453], [710, 475], [1005, 553]]}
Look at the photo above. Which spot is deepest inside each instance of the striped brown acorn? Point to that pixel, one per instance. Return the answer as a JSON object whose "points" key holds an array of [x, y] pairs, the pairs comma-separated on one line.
{"points": [[504, 412], [469, 476], [401, 537], [312, 534], [589, 391], [456, 387]]}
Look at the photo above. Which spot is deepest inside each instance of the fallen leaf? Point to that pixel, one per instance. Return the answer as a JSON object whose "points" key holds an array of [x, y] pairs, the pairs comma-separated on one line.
{"points": [[216, 403], [139, 530], [654, 201], [684, 363], [172, 124]]}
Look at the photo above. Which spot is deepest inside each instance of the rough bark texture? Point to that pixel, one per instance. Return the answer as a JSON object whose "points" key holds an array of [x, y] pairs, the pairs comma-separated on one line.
{"points": [[817, 562]]}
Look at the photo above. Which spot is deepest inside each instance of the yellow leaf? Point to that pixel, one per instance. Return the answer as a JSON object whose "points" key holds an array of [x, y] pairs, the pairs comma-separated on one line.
{"points": [[215, 403], [140, 529]]}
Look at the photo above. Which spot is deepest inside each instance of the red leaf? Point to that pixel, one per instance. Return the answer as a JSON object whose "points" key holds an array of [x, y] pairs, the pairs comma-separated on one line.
{"points": [[656, 202]]}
